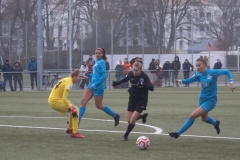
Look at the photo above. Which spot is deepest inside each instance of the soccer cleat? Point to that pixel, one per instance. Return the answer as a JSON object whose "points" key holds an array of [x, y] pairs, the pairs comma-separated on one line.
{"points": [[69, 131], [173, 135], [116, 120], [77, 135], [217, 126], [125, 138], [144, 117]]}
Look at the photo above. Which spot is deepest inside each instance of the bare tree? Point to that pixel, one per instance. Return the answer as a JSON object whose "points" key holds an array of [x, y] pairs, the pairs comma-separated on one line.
{"points": [[224, 24], [163, 16], [100, 13], [10, 9]]}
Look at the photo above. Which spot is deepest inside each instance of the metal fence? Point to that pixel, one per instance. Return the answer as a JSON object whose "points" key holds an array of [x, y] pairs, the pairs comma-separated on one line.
{"points": [[50, 77]]}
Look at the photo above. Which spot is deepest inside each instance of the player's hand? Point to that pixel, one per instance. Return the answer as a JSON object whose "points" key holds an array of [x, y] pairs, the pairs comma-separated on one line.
{"points": [[92, 87], [139, 85], [114, 83], [232, 86], [73, 111], [179, 80]]}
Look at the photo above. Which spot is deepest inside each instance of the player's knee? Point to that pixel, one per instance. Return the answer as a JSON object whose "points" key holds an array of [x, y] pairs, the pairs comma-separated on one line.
{"points": [[132, 122], [83, 102], [204, 119], [100, 107]]}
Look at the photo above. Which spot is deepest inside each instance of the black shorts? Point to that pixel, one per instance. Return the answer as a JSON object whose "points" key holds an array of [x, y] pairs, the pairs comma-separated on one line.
{"points": [[137, 105]]}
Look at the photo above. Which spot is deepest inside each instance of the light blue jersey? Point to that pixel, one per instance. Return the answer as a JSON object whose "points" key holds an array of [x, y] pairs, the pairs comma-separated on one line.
{"points": [[208, 80], [98, 78]]}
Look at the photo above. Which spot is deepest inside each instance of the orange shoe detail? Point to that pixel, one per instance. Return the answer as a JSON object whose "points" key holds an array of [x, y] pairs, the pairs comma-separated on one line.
{"points": [[77, 135]]}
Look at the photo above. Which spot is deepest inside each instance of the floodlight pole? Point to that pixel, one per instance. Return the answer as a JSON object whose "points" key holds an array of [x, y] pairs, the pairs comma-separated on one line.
{"points": [[39, 44], [70, 33], [238, 58], [192, 37]]}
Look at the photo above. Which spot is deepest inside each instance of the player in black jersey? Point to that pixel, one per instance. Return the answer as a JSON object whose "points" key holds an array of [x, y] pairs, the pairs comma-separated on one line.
{"points": [[138, 99]]}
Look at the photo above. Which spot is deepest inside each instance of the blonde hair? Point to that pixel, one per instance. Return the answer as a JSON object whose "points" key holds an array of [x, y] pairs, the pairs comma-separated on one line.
{"points": [[202, 60], [138, 64], [75, 73]]}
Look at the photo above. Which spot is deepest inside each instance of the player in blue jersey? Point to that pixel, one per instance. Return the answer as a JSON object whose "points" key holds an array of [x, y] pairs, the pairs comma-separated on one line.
{"points": [[97, 86], [208, 95]]}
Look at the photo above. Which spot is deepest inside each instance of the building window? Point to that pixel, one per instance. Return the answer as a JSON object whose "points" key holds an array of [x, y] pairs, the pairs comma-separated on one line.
{"points": [[189, 32], [51, 31], [238, 29], [189, 18], [181, 44], [86, 28], [135, 42], [124, 42], [51, 15], [209, 15], [181, 31], [201, 27]]}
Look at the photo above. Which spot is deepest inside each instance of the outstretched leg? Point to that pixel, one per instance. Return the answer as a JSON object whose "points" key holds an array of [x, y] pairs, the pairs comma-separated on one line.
{"points": [[195, 114], [106, 109]]}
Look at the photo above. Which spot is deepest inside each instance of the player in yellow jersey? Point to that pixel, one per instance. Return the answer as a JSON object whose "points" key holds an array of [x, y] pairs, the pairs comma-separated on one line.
{"points": [[58, 100]]}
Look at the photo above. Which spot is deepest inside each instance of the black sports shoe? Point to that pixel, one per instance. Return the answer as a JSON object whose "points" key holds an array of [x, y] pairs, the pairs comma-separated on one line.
{"points": [[217, 126], [144, 117], [125, 138], [173, 134], [116, 120]]}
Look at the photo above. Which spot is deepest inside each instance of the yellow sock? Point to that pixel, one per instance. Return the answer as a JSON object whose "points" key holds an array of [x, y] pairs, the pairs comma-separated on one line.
{"points": [[70, 121], [75, 123]]}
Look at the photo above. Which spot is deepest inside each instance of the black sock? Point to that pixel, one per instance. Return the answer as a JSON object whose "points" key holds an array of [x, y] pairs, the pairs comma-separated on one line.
{"points": [[140, 117], [129, 129]]}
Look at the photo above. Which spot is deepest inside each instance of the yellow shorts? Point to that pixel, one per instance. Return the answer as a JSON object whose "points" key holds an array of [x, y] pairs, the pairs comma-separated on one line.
{"points": [[59, 106]]}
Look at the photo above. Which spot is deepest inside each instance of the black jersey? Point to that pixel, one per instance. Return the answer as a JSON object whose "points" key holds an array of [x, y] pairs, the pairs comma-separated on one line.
{"points": [[134, 90]]}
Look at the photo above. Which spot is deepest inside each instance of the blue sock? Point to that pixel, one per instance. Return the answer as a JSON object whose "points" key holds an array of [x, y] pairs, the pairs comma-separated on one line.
{"points": [[210, 120], [186, 125], [109, 111], [81, 112]]}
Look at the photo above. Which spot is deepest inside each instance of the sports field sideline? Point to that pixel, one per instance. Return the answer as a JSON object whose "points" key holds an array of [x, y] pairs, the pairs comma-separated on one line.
{"points": [[30, 129]]}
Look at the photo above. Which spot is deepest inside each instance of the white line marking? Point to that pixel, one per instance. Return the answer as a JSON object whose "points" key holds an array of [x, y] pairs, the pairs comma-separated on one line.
{"points": [[49, 128], [88, 130], [157, 129]]}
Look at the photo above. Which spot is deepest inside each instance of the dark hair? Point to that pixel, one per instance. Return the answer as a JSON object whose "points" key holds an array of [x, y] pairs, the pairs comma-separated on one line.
{"points": [[202, 60], [103, 52], [75, 73]]}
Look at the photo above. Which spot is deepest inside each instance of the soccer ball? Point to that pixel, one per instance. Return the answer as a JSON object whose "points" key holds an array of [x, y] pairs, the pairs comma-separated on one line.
{"points": [[143, 142]]}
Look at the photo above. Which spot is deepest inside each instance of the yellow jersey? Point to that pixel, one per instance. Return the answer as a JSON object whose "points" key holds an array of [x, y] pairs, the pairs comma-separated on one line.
{"points": [[60, 91]]}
